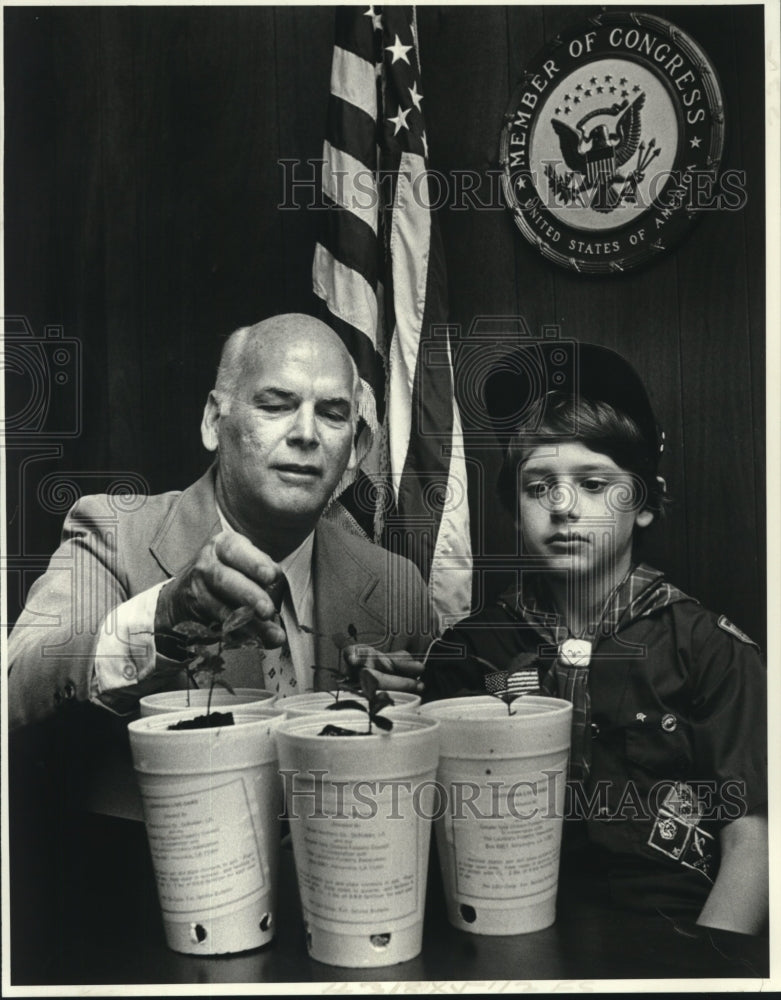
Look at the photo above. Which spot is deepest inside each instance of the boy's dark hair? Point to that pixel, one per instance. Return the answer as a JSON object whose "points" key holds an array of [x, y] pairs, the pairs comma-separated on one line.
{"points": [[561, 417]]}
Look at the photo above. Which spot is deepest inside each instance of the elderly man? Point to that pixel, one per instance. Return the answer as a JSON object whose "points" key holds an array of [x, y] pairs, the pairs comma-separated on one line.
{"points": [[281, 421]]}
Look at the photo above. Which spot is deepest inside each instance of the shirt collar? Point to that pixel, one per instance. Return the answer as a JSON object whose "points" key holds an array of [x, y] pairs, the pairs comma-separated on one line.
{"points": [[642, 592], [297, 567], [534, 605]]}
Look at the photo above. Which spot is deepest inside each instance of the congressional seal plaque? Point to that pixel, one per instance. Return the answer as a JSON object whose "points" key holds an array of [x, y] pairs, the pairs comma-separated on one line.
{"points": [[612, 143]]}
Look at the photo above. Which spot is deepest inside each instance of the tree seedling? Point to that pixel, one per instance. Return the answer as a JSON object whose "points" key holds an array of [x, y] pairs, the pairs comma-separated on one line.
{"points": [[196, 642], [343, 678], [376, 700]]}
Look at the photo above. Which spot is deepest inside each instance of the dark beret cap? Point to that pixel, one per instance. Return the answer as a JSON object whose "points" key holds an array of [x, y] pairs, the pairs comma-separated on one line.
{"points": [[530, 371]]}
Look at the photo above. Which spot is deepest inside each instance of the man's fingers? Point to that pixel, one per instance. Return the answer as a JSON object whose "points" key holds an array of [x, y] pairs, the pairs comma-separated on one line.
{"points": [[398, 671], [239, 595], [400, 663], [271, 633], [233, 588], [406, 664], [239, 553], [229, 572], [391, 682]]}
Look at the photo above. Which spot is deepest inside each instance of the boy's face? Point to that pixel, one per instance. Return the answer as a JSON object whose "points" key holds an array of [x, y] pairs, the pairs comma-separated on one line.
{"points": [[579, 510]]}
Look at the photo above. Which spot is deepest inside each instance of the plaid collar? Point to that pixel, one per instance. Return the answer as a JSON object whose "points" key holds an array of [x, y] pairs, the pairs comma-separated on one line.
{"points": [[642, 591]]}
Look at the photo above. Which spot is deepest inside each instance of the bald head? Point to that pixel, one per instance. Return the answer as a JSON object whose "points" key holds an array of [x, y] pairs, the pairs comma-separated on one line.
{"points": [[294, 330], [282, 420]]}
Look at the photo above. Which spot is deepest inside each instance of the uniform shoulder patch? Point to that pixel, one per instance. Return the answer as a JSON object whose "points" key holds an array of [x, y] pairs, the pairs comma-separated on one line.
{"points": [[726, 624]]}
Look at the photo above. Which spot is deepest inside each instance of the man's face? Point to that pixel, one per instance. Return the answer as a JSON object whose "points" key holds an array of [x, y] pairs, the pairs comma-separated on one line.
{"points": [[285, 437], [578, 510]]}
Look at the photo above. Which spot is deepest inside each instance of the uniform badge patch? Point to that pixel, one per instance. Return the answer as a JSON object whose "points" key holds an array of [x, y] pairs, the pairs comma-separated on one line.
{"points": [[698, 852], [575, 652], [669, 836], [681, 801], [727, 625], [676, 831]]}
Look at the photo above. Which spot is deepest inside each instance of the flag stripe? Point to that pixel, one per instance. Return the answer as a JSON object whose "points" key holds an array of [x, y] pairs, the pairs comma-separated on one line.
{"points": [[429, 425], [368, 361], [379, 270], [351, 305], [346, 293], [354, 80], [450, 579], [353, 131], [410, 233], [350, 184], [351, 242]]}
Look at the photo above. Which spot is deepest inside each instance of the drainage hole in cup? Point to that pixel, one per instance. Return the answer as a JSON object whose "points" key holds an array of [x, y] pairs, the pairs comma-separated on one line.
{"points": [[265, 922], [197, 933], [380, 940], [467, 913]]}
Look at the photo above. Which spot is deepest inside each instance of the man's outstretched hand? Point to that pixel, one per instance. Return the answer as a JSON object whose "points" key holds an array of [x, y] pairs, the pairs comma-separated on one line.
{"points": [[227, 573], [398, 671]]}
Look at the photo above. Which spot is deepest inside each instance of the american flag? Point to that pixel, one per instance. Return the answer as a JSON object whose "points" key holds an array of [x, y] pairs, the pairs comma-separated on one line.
{"points": [[517, 683], [379, 271]]}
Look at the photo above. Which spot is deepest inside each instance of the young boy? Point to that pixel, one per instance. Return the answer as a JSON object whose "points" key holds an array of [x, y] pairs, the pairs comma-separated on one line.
{"points": [[667, 792]]}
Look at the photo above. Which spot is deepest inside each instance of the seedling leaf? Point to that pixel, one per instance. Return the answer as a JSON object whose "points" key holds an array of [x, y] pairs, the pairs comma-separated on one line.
{"points": [[331, 730], [211, 662], [381, 700], [237, 619], [240, 628], [192, 632], [349, 703]]}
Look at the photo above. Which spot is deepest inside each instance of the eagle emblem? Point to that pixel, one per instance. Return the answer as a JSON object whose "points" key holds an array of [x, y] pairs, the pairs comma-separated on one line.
{"points": [[594, 150], [605, 143]]}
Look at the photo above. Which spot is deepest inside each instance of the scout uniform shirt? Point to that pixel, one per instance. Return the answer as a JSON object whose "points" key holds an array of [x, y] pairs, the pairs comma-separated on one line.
{"points": [[669, 727]]}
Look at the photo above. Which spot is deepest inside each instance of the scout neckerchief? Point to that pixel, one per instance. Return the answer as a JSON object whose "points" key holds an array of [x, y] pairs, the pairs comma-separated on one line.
{"points": [[642, 591]]}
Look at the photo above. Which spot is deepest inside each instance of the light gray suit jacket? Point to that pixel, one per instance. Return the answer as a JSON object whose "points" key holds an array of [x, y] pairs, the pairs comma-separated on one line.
{"points": [[115, 547]]}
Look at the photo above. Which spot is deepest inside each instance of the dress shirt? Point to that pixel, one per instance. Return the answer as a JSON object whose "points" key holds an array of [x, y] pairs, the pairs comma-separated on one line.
{"points": [[126, 655], [298, 608]]}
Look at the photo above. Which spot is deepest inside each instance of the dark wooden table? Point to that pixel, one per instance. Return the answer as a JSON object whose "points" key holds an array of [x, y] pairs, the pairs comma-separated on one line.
{"points": [[84, 911], [108, 930]]}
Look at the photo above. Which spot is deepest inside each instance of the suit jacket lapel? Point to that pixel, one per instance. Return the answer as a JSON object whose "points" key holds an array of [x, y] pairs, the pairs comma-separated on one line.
{"points": [[343, 584], [343, 587], [192, 519]]}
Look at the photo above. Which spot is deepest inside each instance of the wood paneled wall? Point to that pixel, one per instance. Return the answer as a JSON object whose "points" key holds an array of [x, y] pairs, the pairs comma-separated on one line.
{"points": [[142, 185]]}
